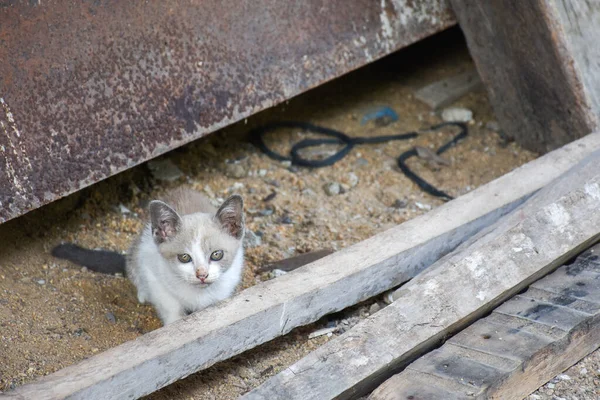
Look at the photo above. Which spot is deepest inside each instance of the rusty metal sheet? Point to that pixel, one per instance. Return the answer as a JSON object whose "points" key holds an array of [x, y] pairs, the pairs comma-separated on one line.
{"points": [[89, 88]]}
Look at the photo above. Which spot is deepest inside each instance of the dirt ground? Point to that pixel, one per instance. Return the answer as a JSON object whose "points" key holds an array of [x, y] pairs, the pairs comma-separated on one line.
{"points": [[54, 314]]}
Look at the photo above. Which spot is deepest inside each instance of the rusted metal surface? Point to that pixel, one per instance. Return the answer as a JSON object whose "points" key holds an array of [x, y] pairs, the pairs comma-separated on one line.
{"points": [[90, 88]]}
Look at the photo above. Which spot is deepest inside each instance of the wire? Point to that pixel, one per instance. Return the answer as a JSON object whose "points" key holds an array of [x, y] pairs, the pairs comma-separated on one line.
{"points": [[337, 137]]}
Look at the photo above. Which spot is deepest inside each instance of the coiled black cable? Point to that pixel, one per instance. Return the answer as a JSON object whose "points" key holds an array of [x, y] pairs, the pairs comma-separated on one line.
{"points": [[337, 137]]}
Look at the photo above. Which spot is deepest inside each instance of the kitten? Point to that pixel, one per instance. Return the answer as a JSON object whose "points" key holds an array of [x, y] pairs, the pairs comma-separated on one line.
{"points": [[188, 256]]}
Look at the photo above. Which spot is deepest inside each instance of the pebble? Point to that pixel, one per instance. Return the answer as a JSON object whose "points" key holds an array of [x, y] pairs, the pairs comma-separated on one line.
{"points": [[235, 171], [374, 308], [332, 188], [262, 172], [124, 210], [309, 192], [534, 397], [251, 239], [564, 377], [164, 170], [285, 220], [111, 317], [456, 114], [321, 332], [266, 212], [583, 371], [550, 385], [41, 282], [286, 163], [422, 206], [352, 179], [245, 372], [399, 204]]}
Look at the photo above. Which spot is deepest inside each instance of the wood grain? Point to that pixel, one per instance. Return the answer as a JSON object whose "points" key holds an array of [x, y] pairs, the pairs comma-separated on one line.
{"points": [[556, 224], [544, 90], [520, 346], [273, 308]]}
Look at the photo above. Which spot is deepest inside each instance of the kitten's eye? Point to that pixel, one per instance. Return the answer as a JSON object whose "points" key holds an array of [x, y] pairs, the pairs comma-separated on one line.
{"points": [[216, 255], [184, 258]]}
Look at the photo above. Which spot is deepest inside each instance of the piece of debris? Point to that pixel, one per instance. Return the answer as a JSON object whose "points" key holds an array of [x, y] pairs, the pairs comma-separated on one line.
{"points": [[422, 206], [270, 197], [381, 116], [351, 179], [164, 170], [374, 308], [41, 282], [236, 171], [124, 210], [321, 332], [398, 204], [456, 114], [276, 273], [447, 91], [286, 220], [251, 239], [292, 263], [111, 317], [430, 156], [332, 188]]}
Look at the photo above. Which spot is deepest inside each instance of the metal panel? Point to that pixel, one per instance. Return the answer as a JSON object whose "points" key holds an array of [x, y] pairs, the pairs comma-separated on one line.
{"points": [[91, 88]]}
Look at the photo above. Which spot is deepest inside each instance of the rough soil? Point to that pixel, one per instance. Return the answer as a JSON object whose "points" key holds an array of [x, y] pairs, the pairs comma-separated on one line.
{"points": [[54, 314]]}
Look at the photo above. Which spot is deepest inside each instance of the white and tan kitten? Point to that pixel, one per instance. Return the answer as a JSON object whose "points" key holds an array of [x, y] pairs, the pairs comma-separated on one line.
{"points": [[189, 255]]}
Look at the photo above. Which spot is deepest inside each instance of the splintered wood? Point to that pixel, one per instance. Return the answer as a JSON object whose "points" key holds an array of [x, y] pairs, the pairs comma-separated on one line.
{"points": [[520, 346]]}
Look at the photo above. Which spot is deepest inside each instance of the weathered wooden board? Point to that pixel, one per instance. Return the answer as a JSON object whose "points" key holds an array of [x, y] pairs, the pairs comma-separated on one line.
{"points": [[273, 308], [555, 225], [446, 91], [544, 90], [520, 346]]}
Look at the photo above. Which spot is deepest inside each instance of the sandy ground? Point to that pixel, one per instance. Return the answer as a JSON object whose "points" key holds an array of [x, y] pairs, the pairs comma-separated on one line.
{"points": [[54, 314]]}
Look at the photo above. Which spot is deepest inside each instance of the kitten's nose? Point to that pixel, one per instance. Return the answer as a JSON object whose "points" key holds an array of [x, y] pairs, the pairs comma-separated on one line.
{"points": [[201, 274]]}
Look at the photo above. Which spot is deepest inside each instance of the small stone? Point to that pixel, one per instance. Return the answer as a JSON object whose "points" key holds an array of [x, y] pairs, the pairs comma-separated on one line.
{"points": [[362, 162], [398, 204], [550, 385], [332, 188], [251, 239], [111, 317], [286, 163], [266, 212], [374, 308], [309, 192], [245, 372], [262, 172], [41, 282], [534, 397], [422, 206], [456, 114], [124, 210], [235, 171], [352, 179], [277, 273], [492, 126], [164, 170], [583, 371], [285, 220], [564, 377]]}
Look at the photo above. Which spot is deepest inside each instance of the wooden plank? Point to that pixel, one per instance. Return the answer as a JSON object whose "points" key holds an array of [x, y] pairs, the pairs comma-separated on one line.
{"points": [[544, 90], [446, 91], [557, 223], [300, 297], [520, 346]]}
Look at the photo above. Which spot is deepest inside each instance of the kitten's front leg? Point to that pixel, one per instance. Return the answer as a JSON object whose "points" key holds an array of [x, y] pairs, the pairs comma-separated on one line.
{"points": [[169, 309]]}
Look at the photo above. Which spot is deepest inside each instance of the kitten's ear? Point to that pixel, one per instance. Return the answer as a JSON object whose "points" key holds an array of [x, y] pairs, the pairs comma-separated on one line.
{"points": [[231, 216], [164, 220]]}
